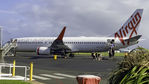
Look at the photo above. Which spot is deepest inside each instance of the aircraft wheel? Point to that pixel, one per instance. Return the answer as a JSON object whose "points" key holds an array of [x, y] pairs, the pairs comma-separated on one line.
{"points": [[64, 56], [71, 55]]}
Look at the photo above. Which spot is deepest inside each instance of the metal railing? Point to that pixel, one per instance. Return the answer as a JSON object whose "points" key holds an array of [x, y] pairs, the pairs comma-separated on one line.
{"points": [[5, 65], [10, 66], [7, 47]]}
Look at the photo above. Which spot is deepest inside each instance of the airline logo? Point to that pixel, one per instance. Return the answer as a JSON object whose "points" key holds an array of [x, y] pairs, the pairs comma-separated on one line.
{"points": [[129, 28]]}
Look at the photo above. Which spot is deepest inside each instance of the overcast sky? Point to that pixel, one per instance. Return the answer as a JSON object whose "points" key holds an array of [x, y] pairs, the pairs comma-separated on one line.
{"points": [[33, 18]]}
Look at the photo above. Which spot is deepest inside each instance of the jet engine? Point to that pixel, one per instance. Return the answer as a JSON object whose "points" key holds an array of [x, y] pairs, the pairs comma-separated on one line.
{"points": [[43, 51]]}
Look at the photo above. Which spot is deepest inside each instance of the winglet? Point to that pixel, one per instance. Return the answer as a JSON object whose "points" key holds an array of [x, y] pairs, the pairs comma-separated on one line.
{"points": [[61, 35]]}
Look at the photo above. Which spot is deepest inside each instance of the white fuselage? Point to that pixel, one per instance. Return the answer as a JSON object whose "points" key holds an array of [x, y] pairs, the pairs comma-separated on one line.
{"points": [[126, 36], [76, 44]]}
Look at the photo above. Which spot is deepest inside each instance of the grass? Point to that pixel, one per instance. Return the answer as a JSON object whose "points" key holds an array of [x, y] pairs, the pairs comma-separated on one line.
{"points": [[116, 54], [13, 82], [103, 54]]}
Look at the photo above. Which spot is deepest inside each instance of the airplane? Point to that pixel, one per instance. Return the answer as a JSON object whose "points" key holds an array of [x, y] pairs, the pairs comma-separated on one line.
{"points": [[126, 36]]}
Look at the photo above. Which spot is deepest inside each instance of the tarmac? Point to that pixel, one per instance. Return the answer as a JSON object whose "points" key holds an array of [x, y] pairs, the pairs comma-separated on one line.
{"points": [[64, 71]]}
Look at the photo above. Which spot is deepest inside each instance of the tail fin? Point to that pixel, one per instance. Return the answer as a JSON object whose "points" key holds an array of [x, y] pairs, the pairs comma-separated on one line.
{"points": [[130, 27]]}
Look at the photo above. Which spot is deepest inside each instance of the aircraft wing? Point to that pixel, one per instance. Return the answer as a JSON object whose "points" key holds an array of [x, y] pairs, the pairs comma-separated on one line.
{"points": [[58, 47]]}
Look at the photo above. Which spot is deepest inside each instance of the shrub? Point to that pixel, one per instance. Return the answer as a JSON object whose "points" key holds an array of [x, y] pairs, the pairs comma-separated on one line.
{"points": [[134, 69]]}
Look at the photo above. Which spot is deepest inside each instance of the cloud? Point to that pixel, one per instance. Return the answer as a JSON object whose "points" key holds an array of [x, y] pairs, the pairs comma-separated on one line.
{"points": [[82, 17], [7, 12], [78, 17]]}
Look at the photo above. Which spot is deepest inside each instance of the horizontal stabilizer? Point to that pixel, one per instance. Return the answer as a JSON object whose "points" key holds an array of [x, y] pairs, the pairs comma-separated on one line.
{"points": [[133, 39]]}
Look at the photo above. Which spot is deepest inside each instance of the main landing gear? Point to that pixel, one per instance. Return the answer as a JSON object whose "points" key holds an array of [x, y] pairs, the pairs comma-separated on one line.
{"points": [[71, 55]]}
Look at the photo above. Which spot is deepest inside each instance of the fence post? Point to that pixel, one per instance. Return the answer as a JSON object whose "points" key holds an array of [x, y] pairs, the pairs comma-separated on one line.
{"points": [[0, 71], [55, 57], [13, 72], [31, 71]]}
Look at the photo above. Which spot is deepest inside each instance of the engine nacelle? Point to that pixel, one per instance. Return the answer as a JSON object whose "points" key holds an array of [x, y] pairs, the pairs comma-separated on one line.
{"points": [[43, 50]]}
